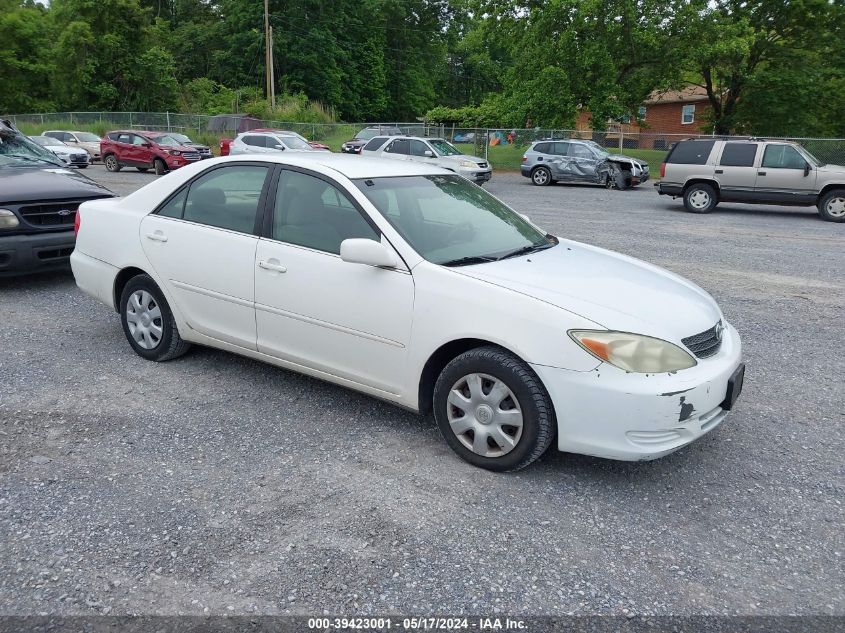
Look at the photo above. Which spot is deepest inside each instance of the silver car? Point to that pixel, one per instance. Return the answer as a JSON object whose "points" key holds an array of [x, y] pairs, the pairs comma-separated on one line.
{"points": [[574, 160], [268, 142], [74, 156], [431, 151]]}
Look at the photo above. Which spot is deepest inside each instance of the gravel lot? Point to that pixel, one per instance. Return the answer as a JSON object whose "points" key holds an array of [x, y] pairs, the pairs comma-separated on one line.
{"points": [[215, 484]]}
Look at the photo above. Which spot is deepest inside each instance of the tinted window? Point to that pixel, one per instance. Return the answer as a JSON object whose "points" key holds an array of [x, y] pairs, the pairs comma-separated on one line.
{"points": [[690, 152], [376, 143], [226, 197], [738, 154], [255, 141], [783, 157], [313, 213], [399, 146], [543, 148], [561, 149], [175, 206], [418, 148], [124, 138], [581, 151]]}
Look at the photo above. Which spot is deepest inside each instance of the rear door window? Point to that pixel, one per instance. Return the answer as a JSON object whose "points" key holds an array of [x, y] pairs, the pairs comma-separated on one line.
{"points": [[738, 155], [561, 149], [399, 146], [226, 197], [255, 141], [691, 152]]}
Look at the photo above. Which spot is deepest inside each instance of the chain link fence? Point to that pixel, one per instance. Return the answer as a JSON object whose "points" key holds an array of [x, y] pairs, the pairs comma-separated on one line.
{"points": [[503, 147]]}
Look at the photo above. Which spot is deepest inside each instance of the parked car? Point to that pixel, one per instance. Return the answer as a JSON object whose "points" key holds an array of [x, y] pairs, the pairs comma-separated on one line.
{"points": [[407, 282], [754, 171], [432, 151], [77, 157], [86, 140], [38, 202], [225, 143], [268, 142], [577, 161], [355, 145], [142, 150], [173, 139]]}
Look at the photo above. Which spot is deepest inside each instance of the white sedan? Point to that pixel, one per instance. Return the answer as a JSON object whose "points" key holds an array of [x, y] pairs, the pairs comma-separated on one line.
{"points": [[413, 285]]}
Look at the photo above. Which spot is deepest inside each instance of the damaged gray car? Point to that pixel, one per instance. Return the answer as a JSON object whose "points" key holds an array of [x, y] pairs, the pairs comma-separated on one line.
{"points": [[573, 160]]}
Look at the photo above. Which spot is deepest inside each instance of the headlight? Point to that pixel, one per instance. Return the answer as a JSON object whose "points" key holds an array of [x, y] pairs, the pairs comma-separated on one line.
{"points": [[8, 220], [633, 352], [174, 152], [469, 164]]}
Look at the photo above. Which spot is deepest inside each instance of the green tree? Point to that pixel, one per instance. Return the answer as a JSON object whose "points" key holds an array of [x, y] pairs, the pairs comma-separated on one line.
{"points": [[24, 57]]}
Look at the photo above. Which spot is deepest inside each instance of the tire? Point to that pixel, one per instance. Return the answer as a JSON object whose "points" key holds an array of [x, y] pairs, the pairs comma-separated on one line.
{"points": [[832, 206], [149, 312], [111, 163], [504, 447], [143, 170], [541, 176], [700, 198], [624, 180], [82, 167], [160, 166]]}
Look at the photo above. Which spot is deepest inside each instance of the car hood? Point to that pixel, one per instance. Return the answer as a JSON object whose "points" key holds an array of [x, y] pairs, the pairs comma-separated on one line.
{"points": [[24, 184], [610, 289], [199, 146], [457, 159], [832, 169], [620, 157]]}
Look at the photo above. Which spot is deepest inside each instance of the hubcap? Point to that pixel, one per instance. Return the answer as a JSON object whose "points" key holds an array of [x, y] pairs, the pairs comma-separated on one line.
{"points": [[484, 415], [143, 315], [699, 199], [540, 176], [836, 207]]}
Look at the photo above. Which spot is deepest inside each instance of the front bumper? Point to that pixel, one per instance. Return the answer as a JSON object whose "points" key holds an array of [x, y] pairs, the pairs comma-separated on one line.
{"points": [[33, 253], [618, 415], [477, 176]]}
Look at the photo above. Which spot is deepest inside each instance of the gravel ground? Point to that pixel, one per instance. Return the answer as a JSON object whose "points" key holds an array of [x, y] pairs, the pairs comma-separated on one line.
{"points": [[215, 484]]}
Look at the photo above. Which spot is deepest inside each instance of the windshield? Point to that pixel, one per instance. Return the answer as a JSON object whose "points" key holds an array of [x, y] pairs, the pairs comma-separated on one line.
{"points": [[180, 138], [87, 137], [20, 151], [445, 149], [450, 221], [598, 148], [292, 142], [816, 162], [366, 134], [168, 141]]}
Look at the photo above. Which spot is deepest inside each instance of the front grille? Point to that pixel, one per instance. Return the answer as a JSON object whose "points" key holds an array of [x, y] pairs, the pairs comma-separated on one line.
{"points": [[706, 343], [191, 155], [54, 214]]}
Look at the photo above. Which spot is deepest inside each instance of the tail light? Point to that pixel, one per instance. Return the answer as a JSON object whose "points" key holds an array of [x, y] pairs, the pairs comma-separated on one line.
{"points": [[524, 158], [663, 170], [77, 221]]}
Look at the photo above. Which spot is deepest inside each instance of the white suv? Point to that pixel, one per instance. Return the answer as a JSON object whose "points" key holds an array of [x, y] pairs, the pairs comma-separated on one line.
{"points": [[268, 143]]}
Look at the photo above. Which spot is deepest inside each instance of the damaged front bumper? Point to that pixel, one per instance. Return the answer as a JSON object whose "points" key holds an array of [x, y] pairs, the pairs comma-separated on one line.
{"points": [[614, 414]]}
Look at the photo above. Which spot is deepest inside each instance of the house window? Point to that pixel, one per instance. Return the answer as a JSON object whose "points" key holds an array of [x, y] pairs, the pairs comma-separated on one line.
{"points": [[688, 113], [641, 113]]}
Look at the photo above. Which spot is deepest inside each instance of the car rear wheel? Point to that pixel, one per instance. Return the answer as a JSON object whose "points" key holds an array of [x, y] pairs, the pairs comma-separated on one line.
{"points": [[832, 206], [111, 163], [541, 176], [492, 410], [160, 167], [700, 198], [148, 322]]}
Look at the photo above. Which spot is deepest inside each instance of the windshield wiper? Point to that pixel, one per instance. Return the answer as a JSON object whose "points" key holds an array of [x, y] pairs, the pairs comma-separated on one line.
{"points": [[466, 261], [531, 248]]}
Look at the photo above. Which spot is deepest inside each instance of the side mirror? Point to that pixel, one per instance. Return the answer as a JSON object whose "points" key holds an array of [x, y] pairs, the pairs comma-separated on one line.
{"points": [[806, 169], [368, 252], [429, 153], [147, 144], [280, 147]]}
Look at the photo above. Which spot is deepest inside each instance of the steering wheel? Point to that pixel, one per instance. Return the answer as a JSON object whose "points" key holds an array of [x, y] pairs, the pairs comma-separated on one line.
{"points": [[459, 230]]}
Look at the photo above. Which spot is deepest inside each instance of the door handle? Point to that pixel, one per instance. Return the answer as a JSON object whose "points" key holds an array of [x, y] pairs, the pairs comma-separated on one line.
{"points": [[158, 236], [761, 173], [272, 265], [720, 171]]}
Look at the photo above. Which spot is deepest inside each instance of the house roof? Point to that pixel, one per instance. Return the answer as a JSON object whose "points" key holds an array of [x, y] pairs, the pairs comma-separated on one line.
{"points": [[690, 93]]}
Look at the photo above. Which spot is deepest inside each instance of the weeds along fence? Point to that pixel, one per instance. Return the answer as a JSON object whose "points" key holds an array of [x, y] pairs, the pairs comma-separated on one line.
{"points": [[503, 147]]}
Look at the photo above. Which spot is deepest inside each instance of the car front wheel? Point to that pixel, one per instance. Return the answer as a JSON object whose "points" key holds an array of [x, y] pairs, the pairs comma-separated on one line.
{"points": [[492, 410], [700, 198], [160, 167], [148, 322], [112, 164], [832, 206], [541, 176]]}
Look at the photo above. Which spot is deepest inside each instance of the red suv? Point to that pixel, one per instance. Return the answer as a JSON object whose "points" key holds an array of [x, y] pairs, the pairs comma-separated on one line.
{"points": [[145, 150]]}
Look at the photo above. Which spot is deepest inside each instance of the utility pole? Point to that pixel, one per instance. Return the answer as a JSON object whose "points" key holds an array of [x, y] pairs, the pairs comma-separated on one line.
{"points": [[267, 52], [272, 73]]}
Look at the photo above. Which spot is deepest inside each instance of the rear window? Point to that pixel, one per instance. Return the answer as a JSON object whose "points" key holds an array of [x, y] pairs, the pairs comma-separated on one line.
{"points": [[376, 143], [690, 152], [738, 154]]}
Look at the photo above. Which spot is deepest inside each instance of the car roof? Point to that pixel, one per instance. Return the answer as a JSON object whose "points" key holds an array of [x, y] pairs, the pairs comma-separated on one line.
{"points": [[352, 167], [269, 133]]}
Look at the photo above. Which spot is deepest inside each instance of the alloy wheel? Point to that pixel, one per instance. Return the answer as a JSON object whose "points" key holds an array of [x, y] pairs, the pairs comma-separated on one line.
{"points": [[484, 415], [540, 177]]}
